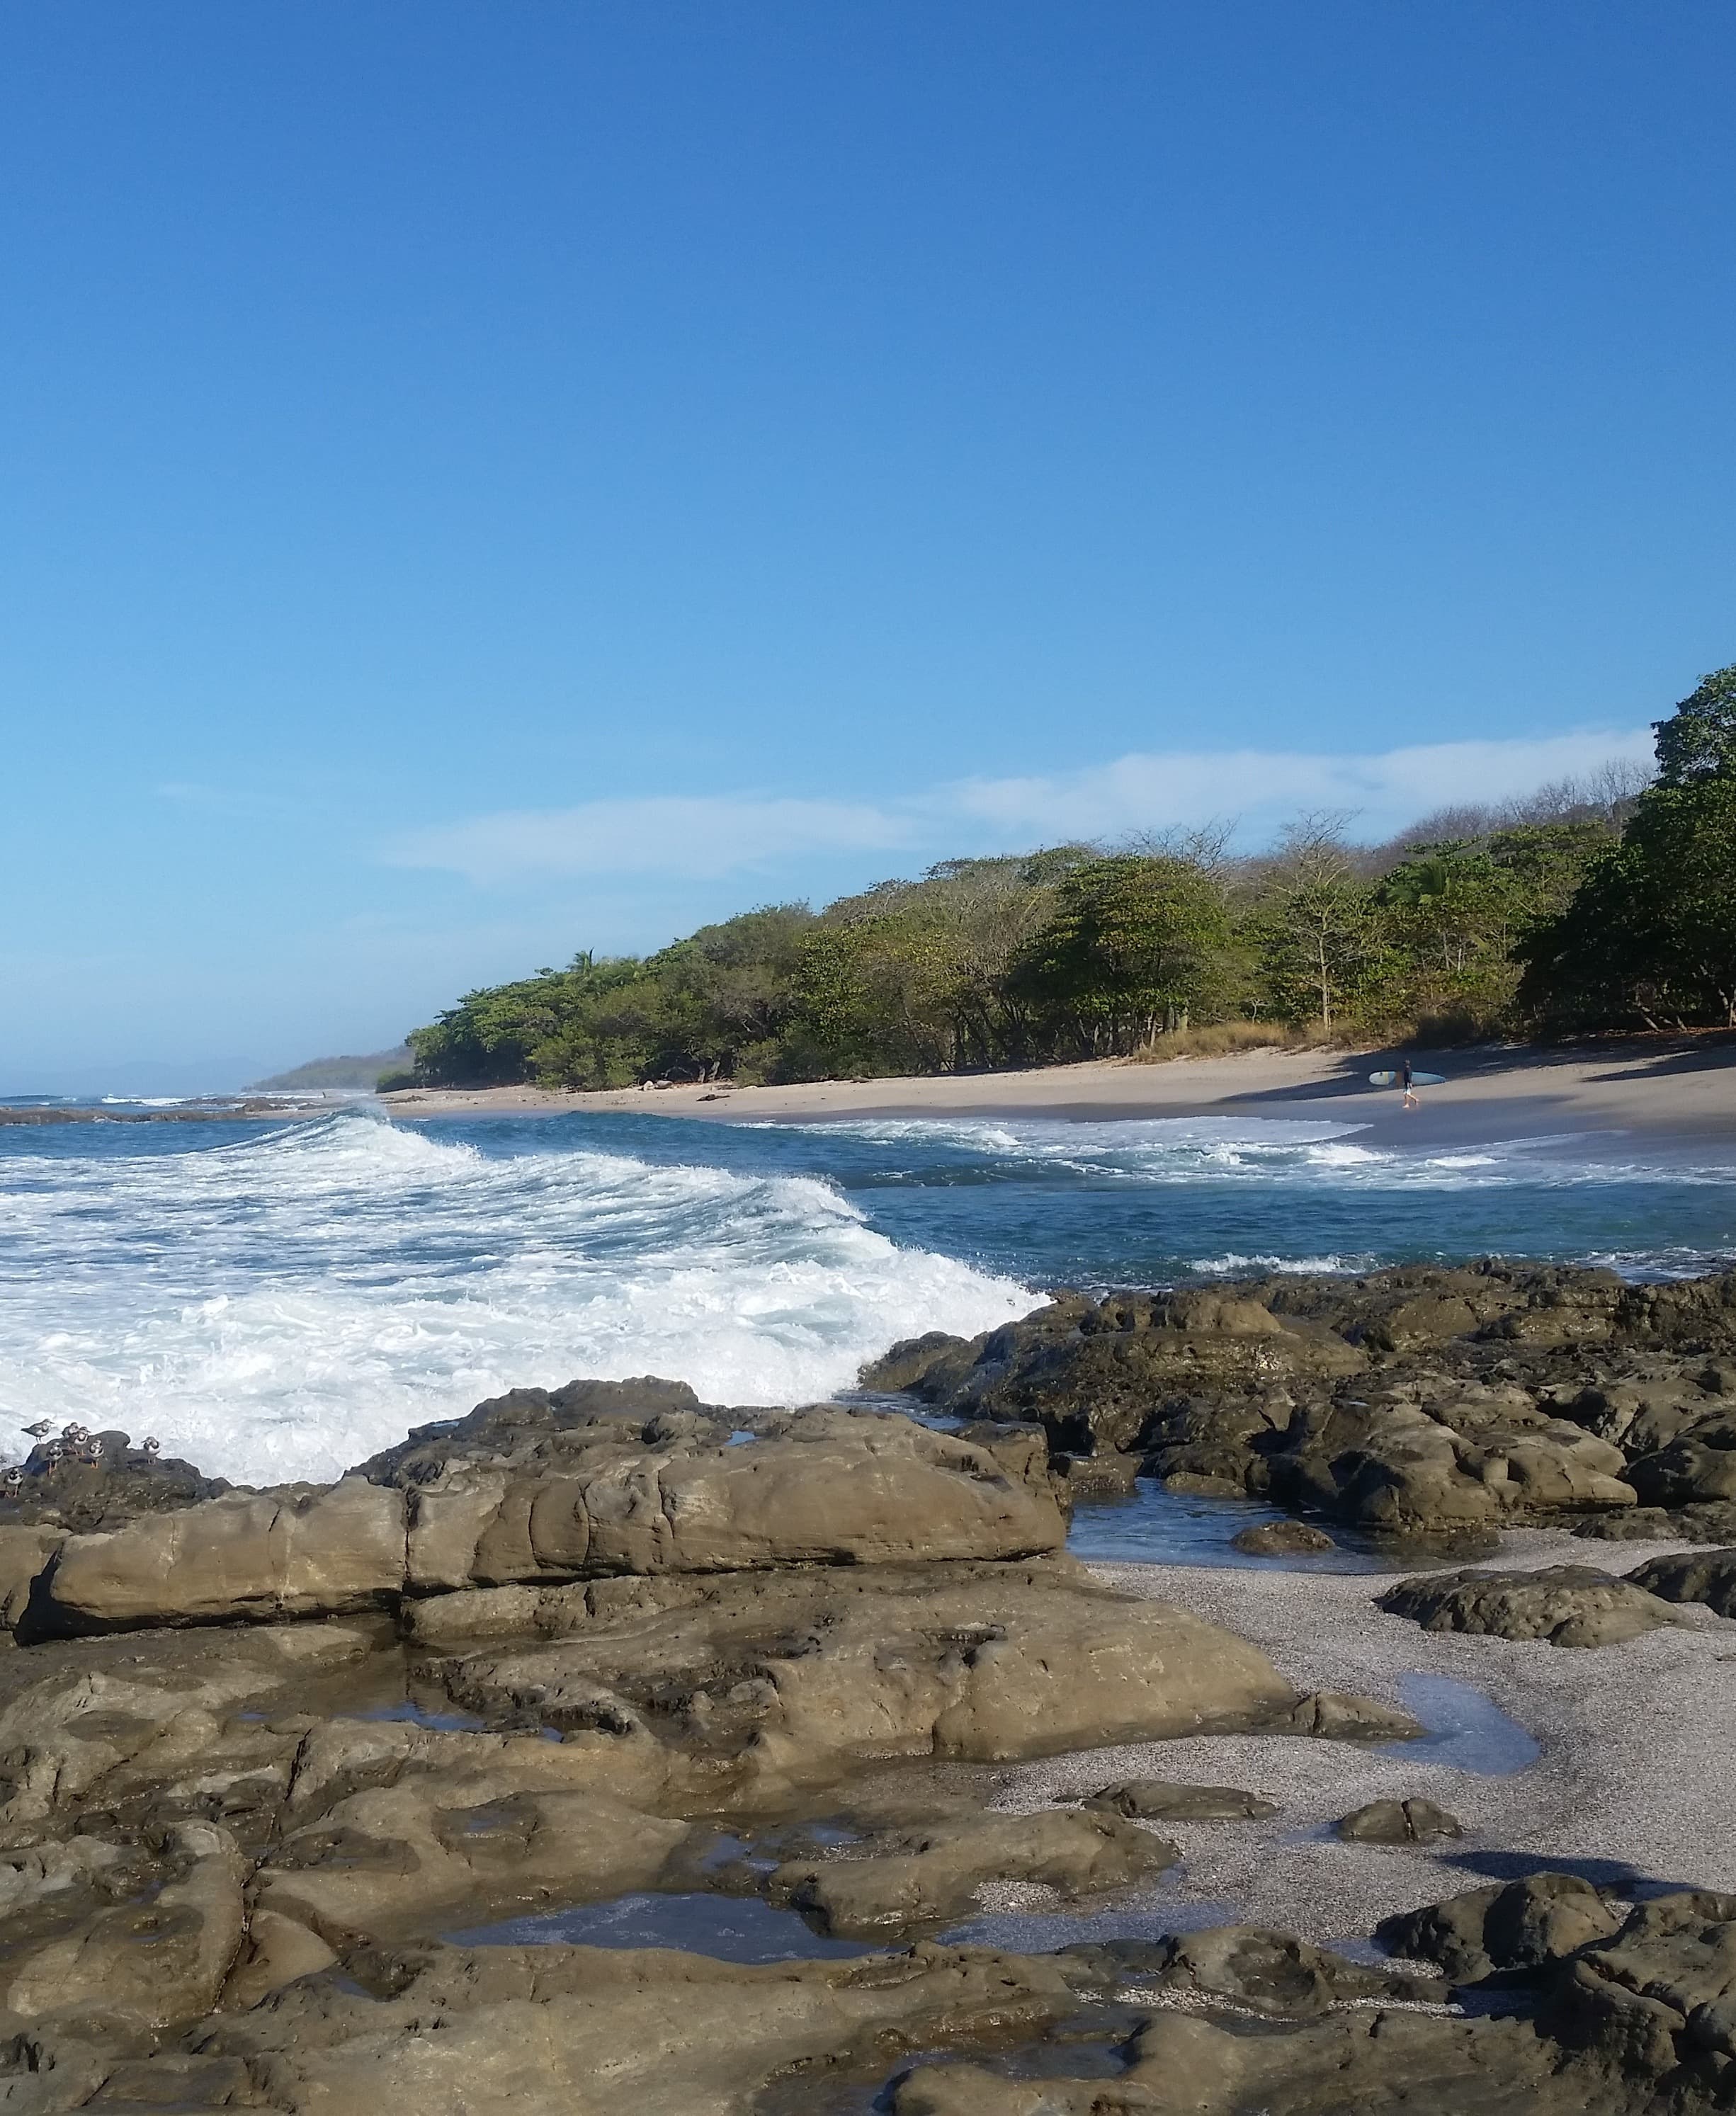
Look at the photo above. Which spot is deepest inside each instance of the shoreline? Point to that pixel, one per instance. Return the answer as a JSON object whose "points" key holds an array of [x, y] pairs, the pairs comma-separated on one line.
{"points": [[1681, 1090]]}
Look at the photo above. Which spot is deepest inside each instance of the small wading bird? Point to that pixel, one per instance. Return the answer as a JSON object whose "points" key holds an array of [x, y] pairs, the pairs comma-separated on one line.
{"points": [[91, 1449], [14, 1481], [56, 1451], [153, 1447], [40, 1429], [74, 1434]]}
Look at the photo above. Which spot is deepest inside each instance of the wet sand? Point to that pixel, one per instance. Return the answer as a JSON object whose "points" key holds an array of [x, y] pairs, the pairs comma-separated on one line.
{"points": [[1681, 1090], [1632, 1787]]}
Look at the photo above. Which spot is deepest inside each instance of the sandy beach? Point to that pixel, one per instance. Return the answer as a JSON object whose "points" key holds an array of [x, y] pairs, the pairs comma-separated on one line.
{"points": [[1685, 1088], [1637, 1769]]}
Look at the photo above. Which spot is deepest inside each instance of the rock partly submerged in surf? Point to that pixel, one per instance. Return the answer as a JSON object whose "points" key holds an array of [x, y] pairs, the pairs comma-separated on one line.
{"points": [[1283, 1538], [1410, 1401]]}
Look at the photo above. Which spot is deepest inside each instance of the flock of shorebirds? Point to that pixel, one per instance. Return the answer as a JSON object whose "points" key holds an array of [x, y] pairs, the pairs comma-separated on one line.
{"points": [[76, 1443]]}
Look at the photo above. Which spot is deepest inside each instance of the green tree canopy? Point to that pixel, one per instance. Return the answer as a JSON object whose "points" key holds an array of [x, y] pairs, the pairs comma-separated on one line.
{"points": [[1078, 951], [1698, 740], [1314, 922], [1134, 945], [1650, 933]]}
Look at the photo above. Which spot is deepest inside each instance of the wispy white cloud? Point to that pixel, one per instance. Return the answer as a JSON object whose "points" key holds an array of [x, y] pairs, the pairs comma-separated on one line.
{"points": [[701, 835], [1261, 787], [707, 836]]}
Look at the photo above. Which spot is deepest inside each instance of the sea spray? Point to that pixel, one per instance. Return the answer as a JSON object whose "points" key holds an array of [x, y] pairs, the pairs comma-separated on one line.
{"points": [[281, 1306], [280, 1301]]}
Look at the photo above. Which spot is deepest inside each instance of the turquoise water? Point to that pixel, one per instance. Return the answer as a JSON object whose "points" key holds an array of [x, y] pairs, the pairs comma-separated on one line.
{"points": [[280, 1299]]}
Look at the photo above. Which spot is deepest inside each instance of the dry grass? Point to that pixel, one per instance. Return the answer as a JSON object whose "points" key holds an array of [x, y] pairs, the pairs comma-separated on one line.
{"points": [[1221, 1039]]}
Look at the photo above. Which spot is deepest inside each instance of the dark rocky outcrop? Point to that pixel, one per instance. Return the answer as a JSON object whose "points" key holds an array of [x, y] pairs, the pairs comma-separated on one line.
{"points": [[1567, 1605], [259, 1751], [1692, 1575], [100, 1482], [1608, 2011], [1158, 1799], [908, 1879], [1414, 1400], [1285, 1539], [516, 1498], [1505, 1930], [1334, 1715], [1693, 1523], [1397, 1822]]}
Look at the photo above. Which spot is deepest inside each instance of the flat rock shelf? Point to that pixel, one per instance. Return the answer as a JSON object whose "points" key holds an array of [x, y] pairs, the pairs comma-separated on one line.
{"points": [[737, 1762]]}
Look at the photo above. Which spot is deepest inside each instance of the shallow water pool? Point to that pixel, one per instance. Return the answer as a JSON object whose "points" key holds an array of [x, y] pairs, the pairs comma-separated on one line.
{"points": [[730, 1928], [1156, 1526], [1466, 1729]]}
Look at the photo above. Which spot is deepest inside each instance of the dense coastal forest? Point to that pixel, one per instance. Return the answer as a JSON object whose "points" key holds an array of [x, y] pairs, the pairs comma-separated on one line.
{"points": [[1608, 904]]}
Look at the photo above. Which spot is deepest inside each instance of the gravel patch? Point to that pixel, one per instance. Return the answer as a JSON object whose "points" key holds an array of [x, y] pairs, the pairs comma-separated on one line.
{"points": [[1632, 1788]]}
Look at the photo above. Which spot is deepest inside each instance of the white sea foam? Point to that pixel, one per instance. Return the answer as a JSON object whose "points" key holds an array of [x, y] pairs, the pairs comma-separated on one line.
{"points": [[1232, 1264], [1269, 1151], [283, 1306]]}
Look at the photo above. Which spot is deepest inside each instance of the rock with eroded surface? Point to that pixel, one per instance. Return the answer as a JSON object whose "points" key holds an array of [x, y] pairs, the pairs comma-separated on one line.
{"points": [[1692, 1575], [793, 1676], [832, 1489], [1158, 1799], [1397, 1822], [1566, 1605], [911, 1878]]}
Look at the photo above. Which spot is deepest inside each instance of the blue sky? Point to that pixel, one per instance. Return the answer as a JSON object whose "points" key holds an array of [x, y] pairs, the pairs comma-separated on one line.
{"points": [[482, 480]]}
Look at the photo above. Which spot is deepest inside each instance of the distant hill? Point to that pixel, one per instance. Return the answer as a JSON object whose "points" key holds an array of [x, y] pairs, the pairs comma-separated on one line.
{"points": [[341, 1072]]}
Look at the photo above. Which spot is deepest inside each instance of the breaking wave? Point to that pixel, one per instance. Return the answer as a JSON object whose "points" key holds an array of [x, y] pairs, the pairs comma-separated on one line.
{"points": [[283, 1305]]}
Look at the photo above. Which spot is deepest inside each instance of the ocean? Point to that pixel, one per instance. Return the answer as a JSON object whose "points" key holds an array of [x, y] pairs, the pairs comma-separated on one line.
{"points": [[278, 1299]]}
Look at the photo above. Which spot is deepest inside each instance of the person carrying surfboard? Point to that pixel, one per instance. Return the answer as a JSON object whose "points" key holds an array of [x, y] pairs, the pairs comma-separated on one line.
{"points": [[1405, 1076]]}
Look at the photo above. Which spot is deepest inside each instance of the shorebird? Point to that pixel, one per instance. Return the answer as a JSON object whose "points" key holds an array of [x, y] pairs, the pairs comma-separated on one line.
{"points": [[56, 1451], [41, 1428], [74, 1434], [13, 1481], [152, 1447], [91, 1449]]}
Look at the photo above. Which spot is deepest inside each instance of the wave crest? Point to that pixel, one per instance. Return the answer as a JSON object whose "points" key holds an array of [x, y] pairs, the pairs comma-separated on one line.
{"points": [[284, 1305]]}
